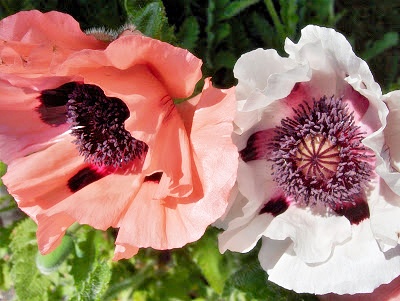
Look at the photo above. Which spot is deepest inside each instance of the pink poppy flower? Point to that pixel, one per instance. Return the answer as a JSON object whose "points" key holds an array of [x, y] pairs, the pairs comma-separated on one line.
{"points": [[314, 180], [99, 141]]}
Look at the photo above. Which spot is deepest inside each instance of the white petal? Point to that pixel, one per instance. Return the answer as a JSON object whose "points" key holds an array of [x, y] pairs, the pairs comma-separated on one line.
{"points": [[253, 175], [314, 235], [236, 202], [327, 49], [244, 238], [357, 266], [264, 76], [245, 230], [388, 160], [385, 212], [392, 130]]}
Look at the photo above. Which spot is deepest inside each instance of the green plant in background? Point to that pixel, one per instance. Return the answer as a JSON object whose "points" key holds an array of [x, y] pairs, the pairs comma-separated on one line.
{"points": [[218, 31]]}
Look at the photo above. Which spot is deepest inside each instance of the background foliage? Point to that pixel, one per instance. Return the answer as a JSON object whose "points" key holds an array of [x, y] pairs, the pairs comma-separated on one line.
{"points": [[218, 31]]}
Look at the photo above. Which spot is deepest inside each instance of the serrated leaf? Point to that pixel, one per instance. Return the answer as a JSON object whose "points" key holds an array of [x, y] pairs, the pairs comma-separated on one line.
{"points": [[289, 16], [189, 33], [225, 59], [235, 8], [222, 32], [390, 39], [211, 262], [150, 18], [96, 283], [90, 271], [24, 271], [253, 280], [50, 262]]}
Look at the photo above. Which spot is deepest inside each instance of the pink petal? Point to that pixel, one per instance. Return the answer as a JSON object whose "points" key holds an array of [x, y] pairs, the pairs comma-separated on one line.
{"points": [[93, 205], [118, 56], [39, 181], [36, 41], [172, 222], [21, 130]]}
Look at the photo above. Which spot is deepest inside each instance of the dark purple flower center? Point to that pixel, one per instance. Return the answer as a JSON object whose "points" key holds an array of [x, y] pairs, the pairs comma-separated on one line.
{"points": [[318, 156], [97, 123]]}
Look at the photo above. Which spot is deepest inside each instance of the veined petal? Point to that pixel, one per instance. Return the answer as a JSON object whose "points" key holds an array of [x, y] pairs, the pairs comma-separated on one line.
{"points": [[84, 207], [39, 180], [176, 220]]}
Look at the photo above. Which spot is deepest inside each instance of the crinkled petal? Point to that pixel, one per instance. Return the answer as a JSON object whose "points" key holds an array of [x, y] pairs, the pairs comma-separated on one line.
{"points": [[92, 205], [171, 222], [385, 212], [268, 75], [314, 236], [388, 159], [40, 179], [37, 41], [356, 266], [147, 52]]}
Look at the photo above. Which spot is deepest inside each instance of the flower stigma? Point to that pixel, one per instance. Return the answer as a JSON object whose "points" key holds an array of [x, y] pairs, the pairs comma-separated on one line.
{"points": [[318, 156]]}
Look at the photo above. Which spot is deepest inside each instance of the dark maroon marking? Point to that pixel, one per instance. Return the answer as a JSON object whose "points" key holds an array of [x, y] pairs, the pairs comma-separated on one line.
{"points": [[52, 108], [275, 206], [257, 146], [155, 177], [83, 178], [356, 212]]}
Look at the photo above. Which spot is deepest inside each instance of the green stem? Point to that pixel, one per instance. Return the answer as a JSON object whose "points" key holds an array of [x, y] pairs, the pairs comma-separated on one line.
{"points": [[74, 227], [275, 18], [132, 283]]}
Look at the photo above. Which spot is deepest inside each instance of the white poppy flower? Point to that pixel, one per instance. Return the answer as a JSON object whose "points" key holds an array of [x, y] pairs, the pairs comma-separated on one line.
{"points": [[318, 176]]}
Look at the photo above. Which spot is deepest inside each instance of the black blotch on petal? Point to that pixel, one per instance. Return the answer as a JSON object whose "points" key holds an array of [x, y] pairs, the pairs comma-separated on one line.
{"points": [[155, 177], [275, 206], [257, 146], [355, 212], [52, 108], [83, 178]]}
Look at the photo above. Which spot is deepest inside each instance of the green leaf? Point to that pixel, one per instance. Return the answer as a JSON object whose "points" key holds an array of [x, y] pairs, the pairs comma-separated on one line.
{"points": [[252, 280], [50, 262], [222, 32], [90, 271], [389, 40], [211, 262], [235, 7], [150, 18], [289, 16], [225, 59], [96, 283], [189, 33], [29, 283]]}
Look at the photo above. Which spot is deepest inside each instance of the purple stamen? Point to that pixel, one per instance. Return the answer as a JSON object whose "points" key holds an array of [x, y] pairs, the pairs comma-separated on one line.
{"points": [[98, 125], [318, 155]]}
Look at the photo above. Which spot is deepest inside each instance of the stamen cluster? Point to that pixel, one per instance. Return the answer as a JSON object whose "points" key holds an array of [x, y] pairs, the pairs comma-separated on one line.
{"points": [[318, 155], [98, 125]]}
